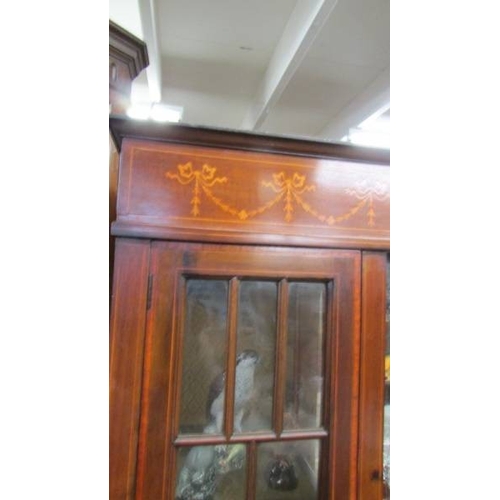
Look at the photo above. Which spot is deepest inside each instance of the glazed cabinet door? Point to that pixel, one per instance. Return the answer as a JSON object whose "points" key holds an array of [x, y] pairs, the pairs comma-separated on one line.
{"points": [[251, 373]]}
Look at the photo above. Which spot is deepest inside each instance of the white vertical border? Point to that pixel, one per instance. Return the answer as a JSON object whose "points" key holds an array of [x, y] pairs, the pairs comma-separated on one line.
{"points": [[445, 267], [54, 261]]}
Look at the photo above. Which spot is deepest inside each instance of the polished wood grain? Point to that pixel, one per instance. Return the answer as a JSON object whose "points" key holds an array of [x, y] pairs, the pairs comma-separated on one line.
{"points": [[232, 325], [232, 205], [156, 463], [161, 394], [371, 416], [344, 390], [126, 354], [251, 470], [202, 194]]}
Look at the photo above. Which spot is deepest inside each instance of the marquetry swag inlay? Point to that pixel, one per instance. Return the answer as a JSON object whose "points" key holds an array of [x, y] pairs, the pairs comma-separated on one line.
{"points": [[288, 187]]}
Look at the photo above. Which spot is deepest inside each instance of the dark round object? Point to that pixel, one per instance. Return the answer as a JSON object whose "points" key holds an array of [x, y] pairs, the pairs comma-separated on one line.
{"points": [[281, 474]]}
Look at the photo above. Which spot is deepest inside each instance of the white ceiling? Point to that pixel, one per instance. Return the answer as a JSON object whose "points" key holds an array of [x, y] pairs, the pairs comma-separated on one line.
{"points": [[314, 68]]}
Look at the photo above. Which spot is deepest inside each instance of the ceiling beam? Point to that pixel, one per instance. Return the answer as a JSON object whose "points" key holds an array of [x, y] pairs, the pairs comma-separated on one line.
{"points": [[375, 96], [306, 21], [151, 35]]}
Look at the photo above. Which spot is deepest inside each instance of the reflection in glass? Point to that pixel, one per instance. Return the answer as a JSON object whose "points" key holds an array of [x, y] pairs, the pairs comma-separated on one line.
{"points": [[204, 351], [288, 470], [211, 473], [257, 308], [304, 378]]}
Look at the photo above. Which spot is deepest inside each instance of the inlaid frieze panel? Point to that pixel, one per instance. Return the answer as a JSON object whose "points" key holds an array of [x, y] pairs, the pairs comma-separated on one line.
{"points": [[172, 189]]}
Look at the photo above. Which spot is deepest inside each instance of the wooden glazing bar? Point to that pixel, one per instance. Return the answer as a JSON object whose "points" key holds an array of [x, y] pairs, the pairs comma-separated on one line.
{"points": [[328, 356], [323, 480], [251, 470], [297, 358], [328, 337], [280, 366], [329, 387], [232, 324], [200, 440], [258, 437], [305, 434]]}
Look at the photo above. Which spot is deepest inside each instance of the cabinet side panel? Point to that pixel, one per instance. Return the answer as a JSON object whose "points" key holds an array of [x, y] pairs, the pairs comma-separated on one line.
{"points": [[372, 375], [128, 313]]}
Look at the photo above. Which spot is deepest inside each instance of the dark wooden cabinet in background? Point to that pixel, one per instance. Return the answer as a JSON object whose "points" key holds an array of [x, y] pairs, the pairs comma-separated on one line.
{"points": [[234, 246], [128, 56]]}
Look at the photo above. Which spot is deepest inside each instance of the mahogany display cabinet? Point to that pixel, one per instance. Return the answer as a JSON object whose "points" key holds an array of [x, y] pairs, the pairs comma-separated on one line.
{"points": [[248, 316]]}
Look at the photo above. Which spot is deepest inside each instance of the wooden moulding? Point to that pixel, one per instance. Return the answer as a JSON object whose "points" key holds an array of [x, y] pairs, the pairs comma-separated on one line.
{"points": [[122, 128], [128, 56], [126, 47], [192, 184]]}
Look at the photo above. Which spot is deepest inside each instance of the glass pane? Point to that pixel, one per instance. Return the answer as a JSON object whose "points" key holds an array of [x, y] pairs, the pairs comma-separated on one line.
{"points": [[256, 334], [211, 473], [386, 475], [304, 377], [204, 356], [288, 470]]}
